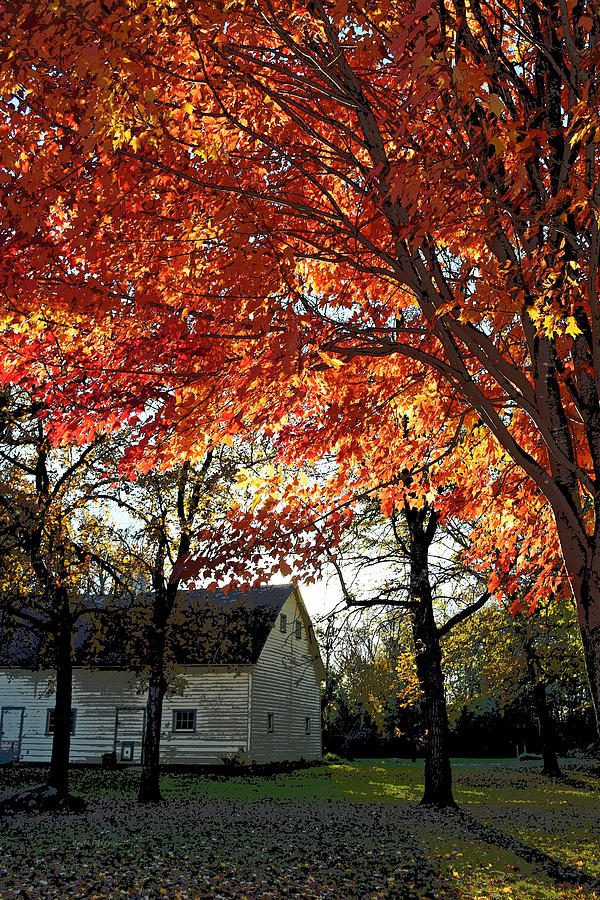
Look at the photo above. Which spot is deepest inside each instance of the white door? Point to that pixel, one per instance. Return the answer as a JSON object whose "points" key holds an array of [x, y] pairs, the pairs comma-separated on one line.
{"points": [[11, 731], [130, 722]]}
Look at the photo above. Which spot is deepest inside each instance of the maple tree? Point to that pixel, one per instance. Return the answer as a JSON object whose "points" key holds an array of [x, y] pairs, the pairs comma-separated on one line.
{"points": [[222, 216]]}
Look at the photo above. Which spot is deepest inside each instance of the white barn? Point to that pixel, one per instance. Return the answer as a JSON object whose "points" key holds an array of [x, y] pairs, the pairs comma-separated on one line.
{"points": [[250, 688]]}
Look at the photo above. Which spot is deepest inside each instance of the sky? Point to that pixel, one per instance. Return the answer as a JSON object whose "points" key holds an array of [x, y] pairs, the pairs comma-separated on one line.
{"points": [[320, 598]]}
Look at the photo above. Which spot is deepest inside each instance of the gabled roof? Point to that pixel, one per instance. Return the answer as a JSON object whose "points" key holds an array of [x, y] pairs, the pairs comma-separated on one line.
{"points": [[210, 629], [227, 629]]}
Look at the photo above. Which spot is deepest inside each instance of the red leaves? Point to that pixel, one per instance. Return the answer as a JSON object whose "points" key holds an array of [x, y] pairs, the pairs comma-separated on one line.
{"points": [[252, 240]]}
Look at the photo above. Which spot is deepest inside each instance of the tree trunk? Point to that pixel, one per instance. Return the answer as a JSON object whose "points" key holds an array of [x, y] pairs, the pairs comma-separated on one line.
{"points": [[164, 592], [149, 791], [61, 740], [551, 767], [590, 638], [583, 569], [163, 599], [438, 771]]}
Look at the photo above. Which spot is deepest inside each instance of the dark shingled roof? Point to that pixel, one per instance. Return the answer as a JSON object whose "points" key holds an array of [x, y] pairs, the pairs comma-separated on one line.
{"points": [[210, 629], [20, 647]]}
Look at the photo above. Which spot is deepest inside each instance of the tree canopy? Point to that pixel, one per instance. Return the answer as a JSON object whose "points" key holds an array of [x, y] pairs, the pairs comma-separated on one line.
{"points": [[285, 216]]}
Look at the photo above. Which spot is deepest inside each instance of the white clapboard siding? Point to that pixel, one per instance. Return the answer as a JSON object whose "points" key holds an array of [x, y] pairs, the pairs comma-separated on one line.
{"points": [[218, 696], [285, 683], [230, 704], [96, 695]]}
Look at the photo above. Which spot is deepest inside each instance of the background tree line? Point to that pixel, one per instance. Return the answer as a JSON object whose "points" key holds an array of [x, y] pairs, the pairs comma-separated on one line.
{"points": [[372, 705]]}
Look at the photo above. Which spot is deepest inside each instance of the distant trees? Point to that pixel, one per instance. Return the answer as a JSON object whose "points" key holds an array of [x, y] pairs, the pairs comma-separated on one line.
{"points": [[370, 702], [525, 671], [373, 707]]}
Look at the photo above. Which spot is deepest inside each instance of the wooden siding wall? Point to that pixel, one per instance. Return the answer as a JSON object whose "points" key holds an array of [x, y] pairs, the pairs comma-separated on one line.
{"points": [[284, 683], [219, 697]]}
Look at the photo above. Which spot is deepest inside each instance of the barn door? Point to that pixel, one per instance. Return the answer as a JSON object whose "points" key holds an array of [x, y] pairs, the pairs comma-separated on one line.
{"points": [[130, 722], [11, 732]]}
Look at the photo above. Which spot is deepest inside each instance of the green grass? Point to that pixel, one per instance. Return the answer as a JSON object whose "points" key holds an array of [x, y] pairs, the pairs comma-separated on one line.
{"points": [[352, 824]]}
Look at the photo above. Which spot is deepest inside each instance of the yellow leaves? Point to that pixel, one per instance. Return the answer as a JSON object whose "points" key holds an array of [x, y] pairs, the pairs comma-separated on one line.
{"points": [[572, 328], [188, 108], [205, 152], [331, 361], [550, 324]]}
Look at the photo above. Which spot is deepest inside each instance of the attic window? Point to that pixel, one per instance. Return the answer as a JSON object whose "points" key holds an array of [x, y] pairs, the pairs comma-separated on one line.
{"points": [[298, 629], [50, 721], [184, 720], [270, 722], [283, 623]]}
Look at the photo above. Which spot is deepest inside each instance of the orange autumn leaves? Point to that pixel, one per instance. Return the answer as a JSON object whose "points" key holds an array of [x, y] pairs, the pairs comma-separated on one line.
{"points": [[337, 224]]}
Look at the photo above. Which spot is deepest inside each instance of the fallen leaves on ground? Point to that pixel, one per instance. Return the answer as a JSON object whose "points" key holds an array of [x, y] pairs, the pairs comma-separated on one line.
{"points": [[265, 847]]}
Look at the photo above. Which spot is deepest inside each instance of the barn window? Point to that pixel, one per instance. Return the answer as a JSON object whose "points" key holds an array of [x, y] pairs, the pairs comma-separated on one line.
{"points": [[184, 720], [298, 629], [282, 623], [307, 725], [50, 721], [270, 722]]}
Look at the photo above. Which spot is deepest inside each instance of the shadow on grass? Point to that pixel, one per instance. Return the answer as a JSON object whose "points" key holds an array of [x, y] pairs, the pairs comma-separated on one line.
{"points": [[577, 784], [553, 868]]}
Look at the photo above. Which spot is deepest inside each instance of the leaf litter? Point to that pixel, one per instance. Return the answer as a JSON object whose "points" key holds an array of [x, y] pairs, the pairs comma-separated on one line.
{"points": [[267, 847]]}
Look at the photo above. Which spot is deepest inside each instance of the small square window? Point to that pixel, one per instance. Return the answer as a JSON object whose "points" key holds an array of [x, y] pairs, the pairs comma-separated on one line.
{"points": [[307, 725], [298, 629], [50, 721], [282, 623], [270, 722], [184, 720]]}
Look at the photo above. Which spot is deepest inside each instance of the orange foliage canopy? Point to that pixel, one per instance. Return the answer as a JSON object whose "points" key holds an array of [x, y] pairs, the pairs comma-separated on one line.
{"points": [[288, 216]]}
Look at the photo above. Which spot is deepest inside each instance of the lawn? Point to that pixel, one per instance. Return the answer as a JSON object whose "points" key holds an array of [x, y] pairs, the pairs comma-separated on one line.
{"points": [[337, 831]]}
